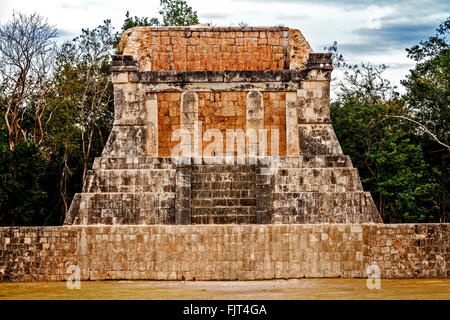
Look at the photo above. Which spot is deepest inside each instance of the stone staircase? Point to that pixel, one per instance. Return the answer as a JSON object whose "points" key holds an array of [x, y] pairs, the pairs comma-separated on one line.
{"points": [[223, 194]]}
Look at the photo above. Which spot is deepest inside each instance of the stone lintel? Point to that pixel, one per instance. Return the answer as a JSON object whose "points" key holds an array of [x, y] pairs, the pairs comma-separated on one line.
{"points": [[221, 76], [183, 77], [222, 86], [127, 64]]}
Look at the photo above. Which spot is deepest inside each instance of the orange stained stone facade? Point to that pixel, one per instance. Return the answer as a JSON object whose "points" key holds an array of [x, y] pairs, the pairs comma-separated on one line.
{"points": [[168, 120], [222, 111], [215, 48], [275, 118]]}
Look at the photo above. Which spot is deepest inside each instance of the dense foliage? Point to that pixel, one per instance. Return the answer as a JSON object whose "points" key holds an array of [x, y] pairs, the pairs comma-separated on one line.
{"points": [[400, 144], [60, 119], [173, 13]]}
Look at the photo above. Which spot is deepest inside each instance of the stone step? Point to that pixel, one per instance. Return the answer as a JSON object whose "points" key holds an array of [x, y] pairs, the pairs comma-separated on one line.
{"points": [[206, 186], [217, 219], [223, 194], [223, 202], [122, 208], [130, 180], [223, 168], [143, 162], [324, 207], [133, 163], [223, 185], [223, 210], [223, 177], [316, 180]]}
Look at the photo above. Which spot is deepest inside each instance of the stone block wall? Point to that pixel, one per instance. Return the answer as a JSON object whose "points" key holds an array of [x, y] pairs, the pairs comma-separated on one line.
{"points": [[37, 253], [223, 111], [224, 252], [320, 189], [168, 120], [215, 48], [139, 190]]}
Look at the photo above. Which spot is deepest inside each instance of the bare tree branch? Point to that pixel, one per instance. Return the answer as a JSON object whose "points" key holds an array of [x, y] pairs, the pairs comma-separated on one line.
{"points": [[423, 128], [26, 58]]}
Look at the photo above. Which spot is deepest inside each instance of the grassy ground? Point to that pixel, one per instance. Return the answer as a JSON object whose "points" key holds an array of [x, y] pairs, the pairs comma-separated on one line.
{"points": [[192, 290]]}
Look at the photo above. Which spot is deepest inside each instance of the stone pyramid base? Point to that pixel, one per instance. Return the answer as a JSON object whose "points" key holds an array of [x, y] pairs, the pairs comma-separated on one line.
{"points": [[154, 190]]}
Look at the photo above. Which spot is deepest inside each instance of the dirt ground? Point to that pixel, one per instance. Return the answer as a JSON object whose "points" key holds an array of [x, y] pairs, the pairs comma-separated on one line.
{"points": [[304, 289]]}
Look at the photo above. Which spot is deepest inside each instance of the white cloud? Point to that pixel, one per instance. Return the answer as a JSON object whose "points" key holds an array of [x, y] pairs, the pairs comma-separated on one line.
{"points": [[3, 10], [374, 14]]}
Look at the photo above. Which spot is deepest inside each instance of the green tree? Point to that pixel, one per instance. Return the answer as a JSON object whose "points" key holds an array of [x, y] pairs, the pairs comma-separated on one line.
{"points": [[402, 181], [22, 195], [173, 13], [177, 13], [84, 103], [428, 84], [131, 22], [428, 97], [385, 151]]}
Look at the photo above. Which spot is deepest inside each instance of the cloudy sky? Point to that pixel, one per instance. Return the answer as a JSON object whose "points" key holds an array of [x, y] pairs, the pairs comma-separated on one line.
{"points": [[366, 31]]}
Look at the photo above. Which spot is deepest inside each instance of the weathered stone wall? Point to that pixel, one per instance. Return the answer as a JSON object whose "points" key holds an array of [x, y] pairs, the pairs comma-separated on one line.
{"points": [[224, 252], [149, 190], [222, 110], [139, 190], [168, 120], [215, 48], [275, 118]]}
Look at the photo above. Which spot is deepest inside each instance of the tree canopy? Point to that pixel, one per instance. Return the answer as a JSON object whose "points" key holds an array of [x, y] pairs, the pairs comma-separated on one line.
{"points": [[399, 143], [173, 13]]}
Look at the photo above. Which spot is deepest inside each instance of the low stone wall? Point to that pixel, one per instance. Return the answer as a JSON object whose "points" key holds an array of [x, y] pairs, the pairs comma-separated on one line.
{"points": [[224, 252]]}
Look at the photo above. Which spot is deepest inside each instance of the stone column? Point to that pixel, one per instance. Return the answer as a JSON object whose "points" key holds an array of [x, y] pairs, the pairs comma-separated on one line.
{"points": [[292, 106], [151, 107], [254, 121], [128, 137], [189, 119], [316, 135], [263, 195]]}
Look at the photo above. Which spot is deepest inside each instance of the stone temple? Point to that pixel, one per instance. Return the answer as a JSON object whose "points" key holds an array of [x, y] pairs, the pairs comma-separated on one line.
{"points": [[222, 164], [220, 85]]}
